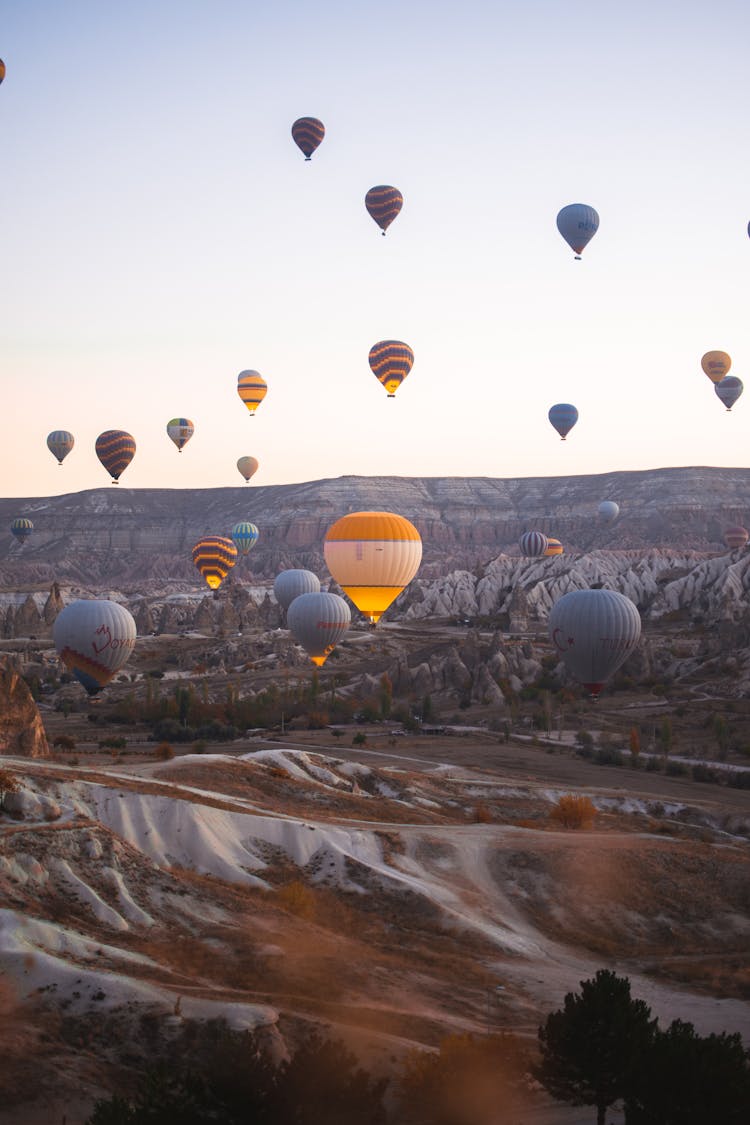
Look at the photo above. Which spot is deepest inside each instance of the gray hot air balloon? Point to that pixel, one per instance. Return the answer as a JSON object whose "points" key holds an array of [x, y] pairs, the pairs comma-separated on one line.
{"points": [[578, 223], [533, 544], [608, 511], [94, 638], [291, 583], [318, 622], [594, 631]]}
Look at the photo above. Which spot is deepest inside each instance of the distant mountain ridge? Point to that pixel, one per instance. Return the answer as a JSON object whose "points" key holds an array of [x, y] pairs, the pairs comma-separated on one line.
{"points": [[127, 535]]}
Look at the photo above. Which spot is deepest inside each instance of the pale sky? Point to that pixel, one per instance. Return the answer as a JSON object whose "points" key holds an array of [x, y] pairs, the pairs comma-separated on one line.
{"points": [[162, 232]]}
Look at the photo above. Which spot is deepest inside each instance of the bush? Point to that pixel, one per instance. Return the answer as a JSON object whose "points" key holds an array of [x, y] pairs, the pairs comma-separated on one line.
{"points": [[573, 812], [699, 772], [676, 769], [113, 743], [482, 813], [164, 751], [360, 739], [585, 739], [297, 899], [65, 742], [608, 756]]}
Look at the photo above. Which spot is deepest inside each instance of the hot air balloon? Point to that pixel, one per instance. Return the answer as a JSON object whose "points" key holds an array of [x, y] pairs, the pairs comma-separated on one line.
{"points": [[563, 417], [214, 555], [594, 631], [373, 556], [2, 70], [318, 622], [554, 547], [577, 223], [21, 528], [244, 536], [533, 544], [608, 511], [180, 431], [391, 361], [308, 132], [60, 443], [383, 203], [247, 466], [729, 390], [252, 388], [94, 640], [716, 365], [736, 538], [115, 449], [290, 584]]}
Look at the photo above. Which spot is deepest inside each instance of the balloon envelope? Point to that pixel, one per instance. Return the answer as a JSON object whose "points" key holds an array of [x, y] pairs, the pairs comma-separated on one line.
{"points": [[594, 631], [21, 528], [736, 538], [383, 204], [247, 466], [608, 511], [373, 556], [180, 431], [308, 132], [318, 622], [391, 361], [244, 536], [533, 544], [94, 639], [252, 388], [554, 547], [729, 390], [290, 584], [716, 365], [214, 555], [563, 417], [2, 70], [578, 223], [60, 443], [115, 449]]}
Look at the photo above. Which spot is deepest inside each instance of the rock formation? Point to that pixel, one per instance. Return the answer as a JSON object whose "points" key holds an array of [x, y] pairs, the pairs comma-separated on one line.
{"points": [[21, 728]]}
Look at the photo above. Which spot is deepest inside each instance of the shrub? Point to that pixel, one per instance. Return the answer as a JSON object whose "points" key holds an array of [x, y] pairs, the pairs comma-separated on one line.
{"points": [[608, 756], [164, 751], [482, 813], [199, 747], [113, 743], [360, 739], [573, 812], [585, 739], [676, 769], [699, 772], [65, 742], [297, 899]]}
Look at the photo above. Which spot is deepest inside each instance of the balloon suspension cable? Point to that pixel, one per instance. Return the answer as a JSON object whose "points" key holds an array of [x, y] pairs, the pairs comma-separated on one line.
{"points": [[383, 234], [578, 257], [115, 481], [308, 158]]}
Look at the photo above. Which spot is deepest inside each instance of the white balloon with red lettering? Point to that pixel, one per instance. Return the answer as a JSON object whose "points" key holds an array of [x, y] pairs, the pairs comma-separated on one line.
{"points": [[94, 639], [318, 622], [594, 632]]}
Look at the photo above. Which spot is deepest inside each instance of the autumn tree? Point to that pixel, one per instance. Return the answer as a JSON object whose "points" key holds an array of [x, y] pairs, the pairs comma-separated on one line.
{"points": [[570, 811], [8, 784], [590, 1047], [634, 741]]}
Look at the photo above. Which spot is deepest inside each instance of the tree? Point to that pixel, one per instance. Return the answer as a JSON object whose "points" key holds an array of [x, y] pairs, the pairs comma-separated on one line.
{"points": [[590, 1047], [635, 744], [570, 811], [665, 736], [685, 1079]]}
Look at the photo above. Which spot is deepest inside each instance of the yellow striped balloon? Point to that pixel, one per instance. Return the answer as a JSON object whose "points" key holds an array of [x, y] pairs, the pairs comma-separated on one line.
{"points": [[373, 556], [115, 449], [214, 555], [554, 547], [390, 362], [2, 70], [383, 204], [251, 388]]}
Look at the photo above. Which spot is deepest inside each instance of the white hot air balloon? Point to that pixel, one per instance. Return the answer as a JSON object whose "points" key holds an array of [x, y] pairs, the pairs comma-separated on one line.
{"points": [[318, 622], [594, 631], [290, 584], [94, 639], [608, 511], [372, 556]]}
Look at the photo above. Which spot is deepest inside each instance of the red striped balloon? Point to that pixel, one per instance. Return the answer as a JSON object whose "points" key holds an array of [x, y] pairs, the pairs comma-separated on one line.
{"points": [[308, 132], [115, 449], [383, 203]]}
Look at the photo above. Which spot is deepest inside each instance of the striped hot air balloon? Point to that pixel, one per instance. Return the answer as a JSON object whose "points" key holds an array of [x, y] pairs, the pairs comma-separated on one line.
{"points": [[252, 388], [180, 430], [60, 443], [533, 544], [577, 223], [21, 528], [244, 536], [563, 417], [308, 132], [390, 362], [383, 204], [318, 622], [736, 538], [554, 547], [94, 639], [716, 365], [115, 449], [2, 70], [373, 556], [214, 555], [290, 584]]}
